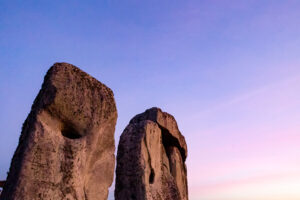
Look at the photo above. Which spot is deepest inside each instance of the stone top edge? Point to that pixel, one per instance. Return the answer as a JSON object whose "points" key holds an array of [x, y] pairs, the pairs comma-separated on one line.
{"points": [[59, 66], [164, 120], [153, 112]]}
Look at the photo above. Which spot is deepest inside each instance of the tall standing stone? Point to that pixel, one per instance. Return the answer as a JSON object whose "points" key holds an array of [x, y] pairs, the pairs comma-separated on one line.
{"points": [[66, 148], [151, 159]]}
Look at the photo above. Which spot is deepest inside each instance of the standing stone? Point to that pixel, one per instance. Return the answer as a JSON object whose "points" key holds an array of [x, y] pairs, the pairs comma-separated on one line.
{"points": [[66, 148], [151, 159]]}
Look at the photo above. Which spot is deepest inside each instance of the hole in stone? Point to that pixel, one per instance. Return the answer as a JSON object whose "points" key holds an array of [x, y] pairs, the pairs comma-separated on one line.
{"points": [[133, 196], [70, 132], [151, 177]]}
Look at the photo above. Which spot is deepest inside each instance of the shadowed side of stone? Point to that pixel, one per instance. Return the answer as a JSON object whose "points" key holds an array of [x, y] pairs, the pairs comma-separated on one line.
{"points": [[2, 184], [151, 159], [66, 148]]}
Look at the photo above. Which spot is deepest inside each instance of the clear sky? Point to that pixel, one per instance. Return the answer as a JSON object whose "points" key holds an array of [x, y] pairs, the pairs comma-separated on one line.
{"points": [[228, 70]]}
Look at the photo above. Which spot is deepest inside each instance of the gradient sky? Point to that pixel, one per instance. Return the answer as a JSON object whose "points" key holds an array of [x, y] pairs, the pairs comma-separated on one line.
{"points": [[228, 70]]}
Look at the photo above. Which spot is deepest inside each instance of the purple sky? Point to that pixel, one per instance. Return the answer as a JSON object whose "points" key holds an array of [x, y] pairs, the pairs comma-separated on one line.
{"points": [[229, 71]]}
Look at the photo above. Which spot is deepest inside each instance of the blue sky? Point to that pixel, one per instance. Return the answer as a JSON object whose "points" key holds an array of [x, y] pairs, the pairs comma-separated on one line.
{"points": [[229, 71]]}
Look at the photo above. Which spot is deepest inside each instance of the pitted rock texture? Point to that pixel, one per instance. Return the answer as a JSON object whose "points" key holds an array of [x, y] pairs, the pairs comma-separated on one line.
{"points": [[151, 159], [66, 148]]}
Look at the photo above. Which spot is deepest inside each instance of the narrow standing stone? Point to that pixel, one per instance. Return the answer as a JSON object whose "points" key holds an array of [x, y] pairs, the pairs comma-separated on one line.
{"points": [[66, 148], [151, 159]]}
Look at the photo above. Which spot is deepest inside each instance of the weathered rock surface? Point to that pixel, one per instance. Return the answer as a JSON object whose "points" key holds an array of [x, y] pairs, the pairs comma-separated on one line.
{"points": [[151, 159], [66, 148]]}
